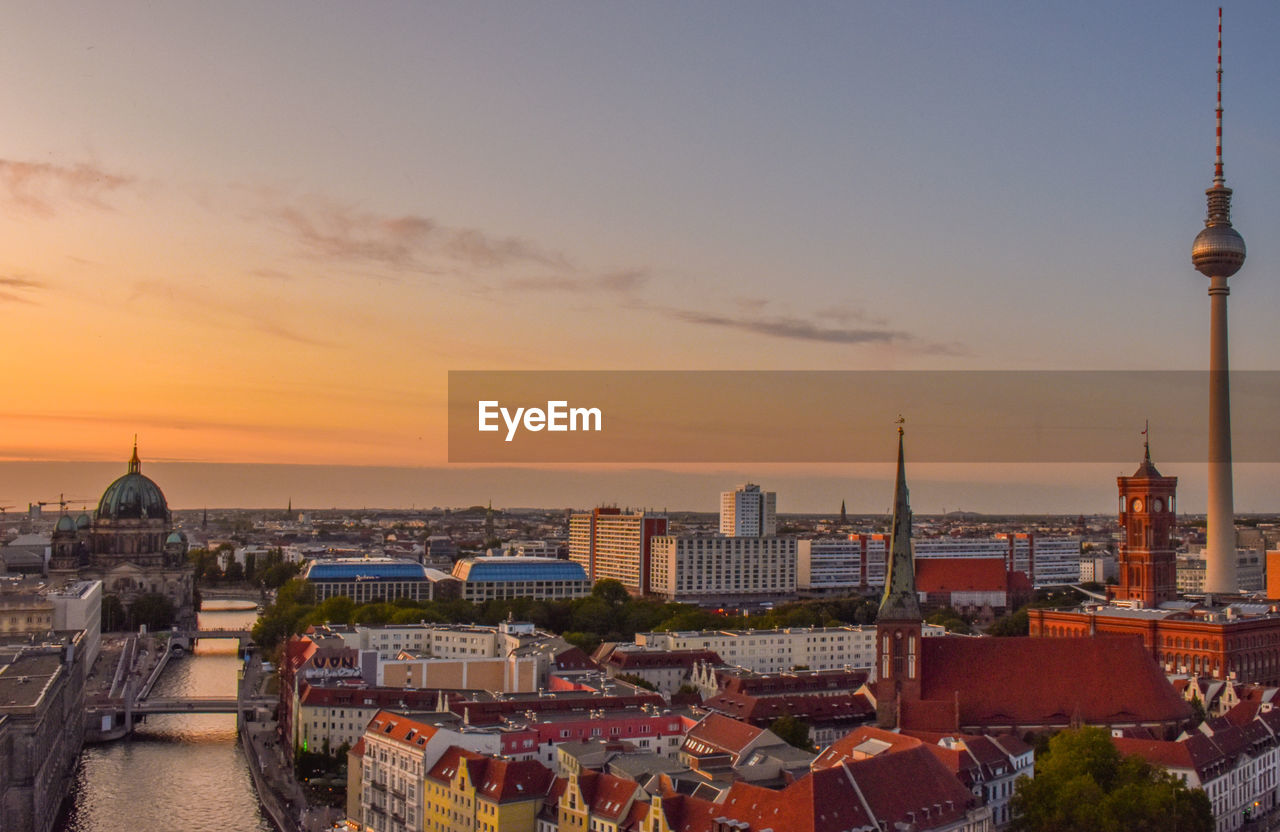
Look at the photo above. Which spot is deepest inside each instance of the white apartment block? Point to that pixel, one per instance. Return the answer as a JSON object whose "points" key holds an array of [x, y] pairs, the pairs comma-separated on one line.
{"points": [[398, 752], [831, 566], [703, 569], [778, 651], [747, 511]]}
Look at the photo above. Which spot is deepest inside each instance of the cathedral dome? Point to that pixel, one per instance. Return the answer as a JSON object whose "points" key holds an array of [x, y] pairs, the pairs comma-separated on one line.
{"points": [[133, 497], [65, 524], [84, 521]]}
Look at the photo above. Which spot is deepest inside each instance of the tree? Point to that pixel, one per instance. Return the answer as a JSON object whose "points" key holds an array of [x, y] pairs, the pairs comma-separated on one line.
{"points": [[1082, 784], [1013, 624], [611, 591], [153, 610], [792, 731], [114, 617]]}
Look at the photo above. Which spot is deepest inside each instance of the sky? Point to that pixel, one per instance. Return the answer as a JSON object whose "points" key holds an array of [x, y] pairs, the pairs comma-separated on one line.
{"points": [[262, 234]]}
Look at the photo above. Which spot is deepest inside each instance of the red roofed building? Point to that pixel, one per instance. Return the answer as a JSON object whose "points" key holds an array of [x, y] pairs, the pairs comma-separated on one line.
{"points": [[964, 582], [910, 789], [1233, 642], [987, 766], [598, 802], [1237, 765], [666, 670], [398, 750], [469, 792], [980, 685]]}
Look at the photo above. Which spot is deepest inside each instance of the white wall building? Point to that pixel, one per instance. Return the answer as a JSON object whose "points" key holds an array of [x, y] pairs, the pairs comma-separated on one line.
{"points": [[703, 569], [778, 651], [747, 511]]}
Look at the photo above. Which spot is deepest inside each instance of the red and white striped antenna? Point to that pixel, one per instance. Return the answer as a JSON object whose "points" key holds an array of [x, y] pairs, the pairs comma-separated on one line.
{"points": [[1218, 177]]}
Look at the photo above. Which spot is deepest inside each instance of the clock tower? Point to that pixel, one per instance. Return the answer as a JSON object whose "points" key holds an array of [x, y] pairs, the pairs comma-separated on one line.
{"points": [[1147, 566]]}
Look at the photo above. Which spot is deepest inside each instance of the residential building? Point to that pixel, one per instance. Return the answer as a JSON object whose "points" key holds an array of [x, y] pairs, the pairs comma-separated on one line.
{"points": [[988, 766], [1235, 762], [399, 751], [779, 651], [707, 570], [748, 511], [610, 544], [832, 566], [470, 792]]}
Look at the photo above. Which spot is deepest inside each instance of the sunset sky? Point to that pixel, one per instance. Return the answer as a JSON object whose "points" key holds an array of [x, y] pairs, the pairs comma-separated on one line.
{"points": [[264, 233]]}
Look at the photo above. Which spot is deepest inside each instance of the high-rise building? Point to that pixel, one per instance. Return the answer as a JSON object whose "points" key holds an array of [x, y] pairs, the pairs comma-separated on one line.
{"points": [[610, 544], [1218, 253], [747, 511]]}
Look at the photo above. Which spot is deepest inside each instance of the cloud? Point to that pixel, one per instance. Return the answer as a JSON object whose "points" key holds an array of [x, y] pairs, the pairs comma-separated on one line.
{"points": [[620, 281], [408, 242], [39, 186], [244, 315], [17, 289], [805, 330]]}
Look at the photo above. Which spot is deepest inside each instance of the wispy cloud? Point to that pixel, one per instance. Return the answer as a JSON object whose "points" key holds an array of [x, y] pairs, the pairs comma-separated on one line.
{"points": [[41, 186], [18, 289], [621, 281], [785, 326], [408, 241], [237, 314]]}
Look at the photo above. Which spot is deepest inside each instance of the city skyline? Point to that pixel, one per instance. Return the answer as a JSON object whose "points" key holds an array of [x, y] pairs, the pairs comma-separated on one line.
{"points": [[266, 237]]}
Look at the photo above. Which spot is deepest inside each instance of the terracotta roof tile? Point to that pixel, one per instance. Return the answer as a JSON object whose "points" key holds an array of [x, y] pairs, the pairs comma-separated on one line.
{"points": [[1032, 681]]}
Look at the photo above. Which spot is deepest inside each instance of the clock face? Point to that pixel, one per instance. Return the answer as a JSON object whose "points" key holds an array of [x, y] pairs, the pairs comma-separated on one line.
{"points": [[1157, 505], [1137, 505]]}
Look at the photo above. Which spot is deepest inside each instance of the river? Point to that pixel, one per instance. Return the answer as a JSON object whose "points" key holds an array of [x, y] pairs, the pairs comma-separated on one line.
{"points": [[181, 773]]}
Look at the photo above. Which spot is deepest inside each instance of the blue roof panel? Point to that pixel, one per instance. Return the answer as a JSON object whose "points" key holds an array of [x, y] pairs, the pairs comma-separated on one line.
{"points": [[367, 570]]}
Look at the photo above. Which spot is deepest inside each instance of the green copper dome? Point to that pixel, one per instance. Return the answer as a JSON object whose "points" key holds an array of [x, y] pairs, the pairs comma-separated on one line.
{"points": [[65, 524], [133, 496]]}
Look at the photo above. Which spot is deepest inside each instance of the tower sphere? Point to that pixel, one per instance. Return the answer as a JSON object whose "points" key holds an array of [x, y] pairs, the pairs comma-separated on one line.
{"points": [[1218, 251]]}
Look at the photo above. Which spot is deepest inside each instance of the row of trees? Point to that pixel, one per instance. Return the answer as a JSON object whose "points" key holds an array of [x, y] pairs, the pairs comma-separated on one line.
{"points": [[271, 573], [610, 613], [153, 610]]}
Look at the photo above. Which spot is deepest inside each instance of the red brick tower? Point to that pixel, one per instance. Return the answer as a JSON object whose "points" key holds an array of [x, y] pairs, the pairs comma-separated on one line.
{"points": [[1147, 567]]}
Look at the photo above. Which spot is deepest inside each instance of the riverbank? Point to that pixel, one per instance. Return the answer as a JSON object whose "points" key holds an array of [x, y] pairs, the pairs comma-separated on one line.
{"points": [[271, 765]]}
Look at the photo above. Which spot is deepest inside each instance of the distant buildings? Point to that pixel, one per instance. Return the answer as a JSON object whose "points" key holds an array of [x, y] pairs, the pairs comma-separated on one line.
{"points": [[780, 651], [748, 511], [367, 580], [1237, 641], [129, 544], [702, 569], [979, 685], [610, 544], [487, 579]]}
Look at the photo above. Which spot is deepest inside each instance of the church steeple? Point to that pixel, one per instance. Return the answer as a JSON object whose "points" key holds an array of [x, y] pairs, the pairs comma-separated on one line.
{"points": [[900, 602], [898, 626]]}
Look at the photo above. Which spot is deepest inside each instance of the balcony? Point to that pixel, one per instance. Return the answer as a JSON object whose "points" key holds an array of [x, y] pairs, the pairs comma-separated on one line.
{"points": [[376, 809], [397, 793], [382, 787]]}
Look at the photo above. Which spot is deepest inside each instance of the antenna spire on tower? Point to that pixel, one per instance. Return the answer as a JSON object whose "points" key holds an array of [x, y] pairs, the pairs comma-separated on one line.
{"points": [[1218, 177]]}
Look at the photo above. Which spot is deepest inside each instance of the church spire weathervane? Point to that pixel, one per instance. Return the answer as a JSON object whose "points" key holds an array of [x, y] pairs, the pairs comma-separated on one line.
{"points": [[135, 464]]}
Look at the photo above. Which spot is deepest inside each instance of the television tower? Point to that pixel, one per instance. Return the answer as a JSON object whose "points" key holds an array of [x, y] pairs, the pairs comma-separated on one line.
{"points": [[1218, 253]]}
